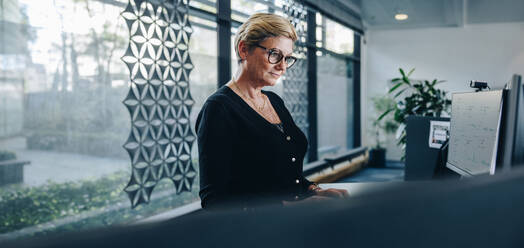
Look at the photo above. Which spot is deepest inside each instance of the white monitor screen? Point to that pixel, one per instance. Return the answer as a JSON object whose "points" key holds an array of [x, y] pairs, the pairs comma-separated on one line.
{"points": [[474, 132]]}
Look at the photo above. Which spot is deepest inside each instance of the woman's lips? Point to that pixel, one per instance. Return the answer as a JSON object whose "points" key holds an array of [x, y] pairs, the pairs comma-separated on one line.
{"points": [[275, 74]]}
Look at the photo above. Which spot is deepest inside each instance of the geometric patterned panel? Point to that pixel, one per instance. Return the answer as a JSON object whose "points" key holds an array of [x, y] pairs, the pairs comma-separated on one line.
{"points": [[295, 80], [159, 100]]}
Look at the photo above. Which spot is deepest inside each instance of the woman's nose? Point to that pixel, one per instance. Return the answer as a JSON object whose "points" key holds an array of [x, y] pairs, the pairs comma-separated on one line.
{"points": [[281, 65]]}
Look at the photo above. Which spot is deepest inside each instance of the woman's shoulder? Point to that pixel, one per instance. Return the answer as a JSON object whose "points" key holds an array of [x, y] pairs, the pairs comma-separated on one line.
{"points": [[214, 107], [221, 95]]}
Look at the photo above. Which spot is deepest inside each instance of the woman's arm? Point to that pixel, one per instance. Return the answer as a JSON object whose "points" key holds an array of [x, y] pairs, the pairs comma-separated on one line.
{"points": [[214, 149]]}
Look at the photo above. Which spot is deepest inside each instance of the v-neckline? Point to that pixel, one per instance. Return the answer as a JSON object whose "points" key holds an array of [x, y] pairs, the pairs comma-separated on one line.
{"points": [[276, 108]]}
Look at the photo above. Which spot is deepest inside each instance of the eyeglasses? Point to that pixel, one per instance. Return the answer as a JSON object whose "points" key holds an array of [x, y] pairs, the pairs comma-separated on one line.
{"points": [[275, 56]]}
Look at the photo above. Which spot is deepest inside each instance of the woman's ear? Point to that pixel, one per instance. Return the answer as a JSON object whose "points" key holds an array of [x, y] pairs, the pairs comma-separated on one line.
{"points": [[242, 50]]}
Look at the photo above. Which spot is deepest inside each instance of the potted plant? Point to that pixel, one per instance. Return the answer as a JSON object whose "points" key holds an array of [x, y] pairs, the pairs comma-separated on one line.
{"points": [[382, 126], [415, 97], [11, 169]]}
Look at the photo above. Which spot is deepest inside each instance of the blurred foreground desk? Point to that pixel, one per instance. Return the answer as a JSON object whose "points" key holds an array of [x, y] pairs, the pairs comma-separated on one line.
{"points": [[354, 189], [478, 212]]}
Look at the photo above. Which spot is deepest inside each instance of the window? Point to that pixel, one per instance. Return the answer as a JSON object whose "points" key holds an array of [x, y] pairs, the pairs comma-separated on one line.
{"points": [[338, 38], [242, 9], [205, 5], [203, 51], [234, 59], [335, 84], [62, 83], [335, 105]]}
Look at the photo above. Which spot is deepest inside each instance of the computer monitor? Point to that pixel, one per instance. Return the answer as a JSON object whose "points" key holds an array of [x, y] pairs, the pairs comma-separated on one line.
{"points": [[474, 132], [512, 143], [494, 112]]}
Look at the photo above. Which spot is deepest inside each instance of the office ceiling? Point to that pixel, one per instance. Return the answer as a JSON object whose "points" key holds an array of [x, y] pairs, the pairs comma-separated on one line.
{"points": [[379, 14]]}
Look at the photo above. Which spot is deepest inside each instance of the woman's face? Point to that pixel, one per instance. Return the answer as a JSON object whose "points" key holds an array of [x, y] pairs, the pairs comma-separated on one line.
{"points": [[260, 70]]}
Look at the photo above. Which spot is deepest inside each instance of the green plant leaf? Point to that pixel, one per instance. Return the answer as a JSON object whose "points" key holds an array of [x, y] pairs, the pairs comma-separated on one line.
{"points": [[410, 72], [402, 72], [384, 114], [400, 92], [395, 87], [406, 81]]}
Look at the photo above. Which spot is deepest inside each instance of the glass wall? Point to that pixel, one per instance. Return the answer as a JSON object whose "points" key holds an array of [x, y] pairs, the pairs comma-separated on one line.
{"points": [[338, 38], [334, 88], [62, 120], [335, 105], [242, 9], [203, 78]]}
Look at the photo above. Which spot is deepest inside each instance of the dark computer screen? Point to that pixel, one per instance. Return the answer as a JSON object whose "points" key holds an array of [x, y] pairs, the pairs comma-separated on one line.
{"points": [[513, 139]]}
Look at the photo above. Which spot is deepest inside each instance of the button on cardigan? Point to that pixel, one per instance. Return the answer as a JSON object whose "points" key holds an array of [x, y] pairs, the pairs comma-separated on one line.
{"points": [[244, 159]]}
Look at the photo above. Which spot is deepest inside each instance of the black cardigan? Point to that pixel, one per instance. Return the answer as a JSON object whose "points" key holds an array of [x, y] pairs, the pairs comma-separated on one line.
{"points": [[243, 158]]}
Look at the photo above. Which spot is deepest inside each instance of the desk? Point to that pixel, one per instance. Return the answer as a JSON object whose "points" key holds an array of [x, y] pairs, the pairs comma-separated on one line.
{"points": [[478, 212], [354, 190], [361, 189]]}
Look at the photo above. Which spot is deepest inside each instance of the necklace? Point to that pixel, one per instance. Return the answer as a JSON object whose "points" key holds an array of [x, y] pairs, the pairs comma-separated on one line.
{"points": [[259, 108], [272, 115], [268, 114]]}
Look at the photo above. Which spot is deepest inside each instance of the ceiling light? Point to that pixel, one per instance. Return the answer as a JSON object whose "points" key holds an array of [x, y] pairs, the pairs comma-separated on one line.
{"points": [[401, 17]]}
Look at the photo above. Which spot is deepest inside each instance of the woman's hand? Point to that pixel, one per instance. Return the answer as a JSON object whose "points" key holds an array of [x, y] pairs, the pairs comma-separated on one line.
{"points": [[332, 193], [320, 195]]}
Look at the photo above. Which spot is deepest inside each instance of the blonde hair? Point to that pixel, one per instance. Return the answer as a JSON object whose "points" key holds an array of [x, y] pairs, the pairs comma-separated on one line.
{"points": [[260, 26]]}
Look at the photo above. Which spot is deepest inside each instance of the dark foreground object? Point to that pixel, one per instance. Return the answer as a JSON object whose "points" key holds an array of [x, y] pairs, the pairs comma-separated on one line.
{"points": [[479, 212]]}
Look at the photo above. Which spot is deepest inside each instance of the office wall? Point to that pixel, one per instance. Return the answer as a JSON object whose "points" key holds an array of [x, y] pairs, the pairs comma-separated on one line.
{"points": [[488, 52]]}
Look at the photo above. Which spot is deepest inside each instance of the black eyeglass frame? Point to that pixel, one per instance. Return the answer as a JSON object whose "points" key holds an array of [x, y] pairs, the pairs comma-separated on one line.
{"points": [[280, 54]]}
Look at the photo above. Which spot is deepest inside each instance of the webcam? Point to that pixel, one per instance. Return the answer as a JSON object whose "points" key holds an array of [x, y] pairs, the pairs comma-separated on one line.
{"points": [[478, 85]]}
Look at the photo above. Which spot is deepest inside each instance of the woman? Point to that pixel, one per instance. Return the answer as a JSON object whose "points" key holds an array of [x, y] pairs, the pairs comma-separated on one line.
{"points": [[250, 149]]}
